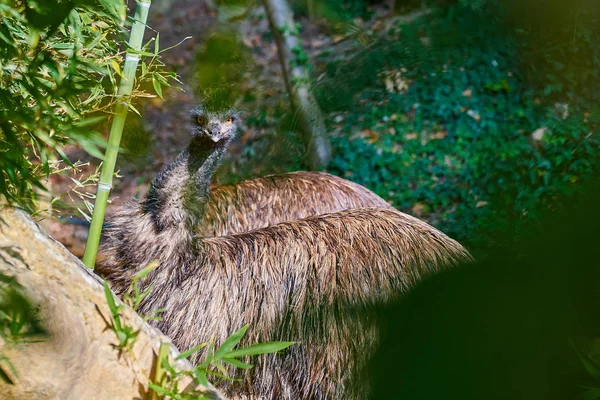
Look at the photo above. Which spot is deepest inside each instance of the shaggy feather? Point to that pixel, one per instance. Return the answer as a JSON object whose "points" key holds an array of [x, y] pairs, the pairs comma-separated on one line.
{"points": [[257, 203], [291, 281]]}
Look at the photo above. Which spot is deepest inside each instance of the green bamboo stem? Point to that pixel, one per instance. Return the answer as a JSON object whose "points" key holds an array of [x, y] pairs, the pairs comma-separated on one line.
{"points": [[108, 166], [159, 370]]}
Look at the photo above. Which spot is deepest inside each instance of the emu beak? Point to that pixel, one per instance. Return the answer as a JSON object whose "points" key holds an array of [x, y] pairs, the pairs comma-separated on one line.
{"points": [[213, 132]]}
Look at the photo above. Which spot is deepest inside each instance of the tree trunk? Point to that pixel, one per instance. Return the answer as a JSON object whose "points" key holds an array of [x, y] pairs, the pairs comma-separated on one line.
{"points": [[297, 81]]}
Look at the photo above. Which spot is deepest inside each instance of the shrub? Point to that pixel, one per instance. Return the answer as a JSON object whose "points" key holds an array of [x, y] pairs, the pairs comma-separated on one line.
{"points": [[456, 145], [59, 66]]}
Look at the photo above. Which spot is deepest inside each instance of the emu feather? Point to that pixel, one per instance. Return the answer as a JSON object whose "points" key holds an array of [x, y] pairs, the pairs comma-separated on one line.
{"points": [[260, 202]]}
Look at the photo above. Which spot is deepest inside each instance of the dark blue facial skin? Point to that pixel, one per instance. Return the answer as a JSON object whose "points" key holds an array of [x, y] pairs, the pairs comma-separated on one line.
{"points": [[214, 125]]}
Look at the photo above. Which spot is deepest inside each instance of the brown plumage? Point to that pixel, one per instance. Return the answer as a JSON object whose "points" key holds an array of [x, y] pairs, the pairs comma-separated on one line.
{"points": [[304, 280], [257, 203]]}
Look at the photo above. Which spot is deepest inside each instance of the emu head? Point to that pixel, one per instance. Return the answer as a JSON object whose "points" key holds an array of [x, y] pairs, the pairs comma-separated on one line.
{"points": [[216, 125]]}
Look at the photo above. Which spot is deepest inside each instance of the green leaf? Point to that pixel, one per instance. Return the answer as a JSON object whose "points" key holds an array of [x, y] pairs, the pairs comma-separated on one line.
{"points": [[135, 110], [231, 342], [191, 351], [156, 85], [236, 363], [140, 52], [589, 365], [110, 300], [144, 272], [166, 365], [201, 377], [209, 354], [262, 348], [123, 337], [591, 394], [97, 40], [6, 360], [91, 149], [220, 375], [161, 79], [219, 366], [115, 66], [90, 121], [161, 391], [156, 45]]}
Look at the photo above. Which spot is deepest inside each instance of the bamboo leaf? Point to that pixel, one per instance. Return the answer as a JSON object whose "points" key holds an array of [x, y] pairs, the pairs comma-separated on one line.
{"points": [[219, 366], [12, 368], [201, 377], [591, 394], [231, 342], [191, 351], [218, 374], [134, 109], [91, 149], [144, 272], [262, 348], [156, 85], [589, 365], [236, 363], [112, 305], [90, 121], [159, 389], [166, 365], [115, 66], [209, 354]]}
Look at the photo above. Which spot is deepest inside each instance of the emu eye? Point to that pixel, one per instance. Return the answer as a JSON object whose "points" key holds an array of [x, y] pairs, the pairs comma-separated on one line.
{"points": [[229, 120], [200, 120]]}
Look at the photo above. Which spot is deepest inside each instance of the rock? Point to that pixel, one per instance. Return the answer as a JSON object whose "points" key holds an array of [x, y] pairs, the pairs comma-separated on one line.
{"points": [[76, 358]]}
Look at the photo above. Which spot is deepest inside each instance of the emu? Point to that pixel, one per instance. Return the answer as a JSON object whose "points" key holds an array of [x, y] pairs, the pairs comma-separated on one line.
{"points": [[304, 280], [260, 202]]}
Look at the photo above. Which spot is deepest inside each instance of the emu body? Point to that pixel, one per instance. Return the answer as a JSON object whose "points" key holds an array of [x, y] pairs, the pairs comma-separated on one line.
{"points": [[291, 281], [303, 280], [260, 202]]}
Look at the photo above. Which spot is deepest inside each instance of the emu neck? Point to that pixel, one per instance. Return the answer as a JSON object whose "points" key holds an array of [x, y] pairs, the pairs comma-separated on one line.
{"points": [[178, 195]]}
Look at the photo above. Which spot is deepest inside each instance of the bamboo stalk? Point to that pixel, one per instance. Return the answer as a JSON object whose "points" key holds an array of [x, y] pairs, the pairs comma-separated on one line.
{"points": [[108, 166], [159, 369]]}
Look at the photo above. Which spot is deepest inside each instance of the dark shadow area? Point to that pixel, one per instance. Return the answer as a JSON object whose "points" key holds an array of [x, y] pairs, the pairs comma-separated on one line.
{"points": [[518, 324]]}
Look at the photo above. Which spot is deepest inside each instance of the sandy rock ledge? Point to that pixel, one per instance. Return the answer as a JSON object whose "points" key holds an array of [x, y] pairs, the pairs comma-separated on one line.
{"points": [[77, 359]]}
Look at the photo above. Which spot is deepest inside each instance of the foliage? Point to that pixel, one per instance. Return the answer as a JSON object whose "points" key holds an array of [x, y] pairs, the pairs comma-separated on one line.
{"points": [[453, 138], [19, 319], [592, 369], [60, 66], [213, 365], [58, 71], [132, 298]]}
